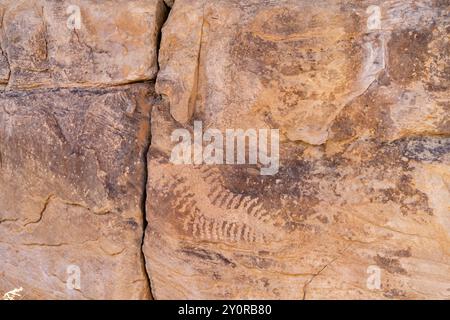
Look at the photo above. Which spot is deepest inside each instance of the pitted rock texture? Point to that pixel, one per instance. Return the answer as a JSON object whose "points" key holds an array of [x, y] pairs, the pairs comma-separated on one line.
{"points": [[108, 42], [72, 186], [363, 110], [90, 97], [295, 65], [310, 231], [76, 90]]}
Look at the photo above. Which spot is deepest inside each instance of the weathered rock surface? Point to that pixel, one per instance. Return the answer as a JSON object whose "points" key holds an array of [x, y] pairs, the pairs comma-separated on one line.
{"points": [[73, 157], [169, 2], [296, 64], [360, 91], [72, 186], [78, 43], [363, 109]]}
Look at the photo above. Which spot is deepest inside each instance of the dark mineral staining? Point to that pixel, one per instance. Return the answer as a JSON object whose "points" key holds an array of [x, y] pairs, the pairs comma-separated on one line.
{"points": [[208, 256], [132, 223], [258, 262], [391, 265], [291, 190], [407, 54], [284, 183], [394, 293], [411, 200], [403, 253], [426, 148]]}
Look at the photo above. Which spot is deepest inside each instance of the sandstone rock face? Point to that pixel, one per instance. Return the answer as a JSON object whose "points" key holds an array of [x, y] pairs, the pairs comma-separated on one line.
{"points": [[300, 62], [169, 2], [79, 43], [360, 93], [94, 206], [73, 157], [72, 186]]}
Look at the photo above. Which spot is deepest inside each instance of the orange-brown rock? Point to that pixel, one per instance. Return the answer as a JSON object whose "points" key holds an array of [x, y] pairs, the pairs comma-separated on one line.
{"points": [[72, 187], [360, 93], [296, 64], [89, 103], [74, 132], [79, 43]]}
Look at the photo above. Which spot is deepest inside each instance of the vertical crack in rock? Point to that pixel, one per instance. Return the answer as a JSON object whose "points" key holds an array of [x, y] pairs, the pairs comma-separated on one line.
{"points": [[87, 119], [144, 211], [146, 169]]}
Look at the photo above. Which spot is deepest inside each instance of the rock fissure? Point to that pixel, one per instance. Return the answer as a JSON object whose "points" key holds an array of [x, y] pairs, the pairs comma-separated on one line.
{"points": [[41, 213], [146, 170], [307, 283], [93, 96], [144, 213]]}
